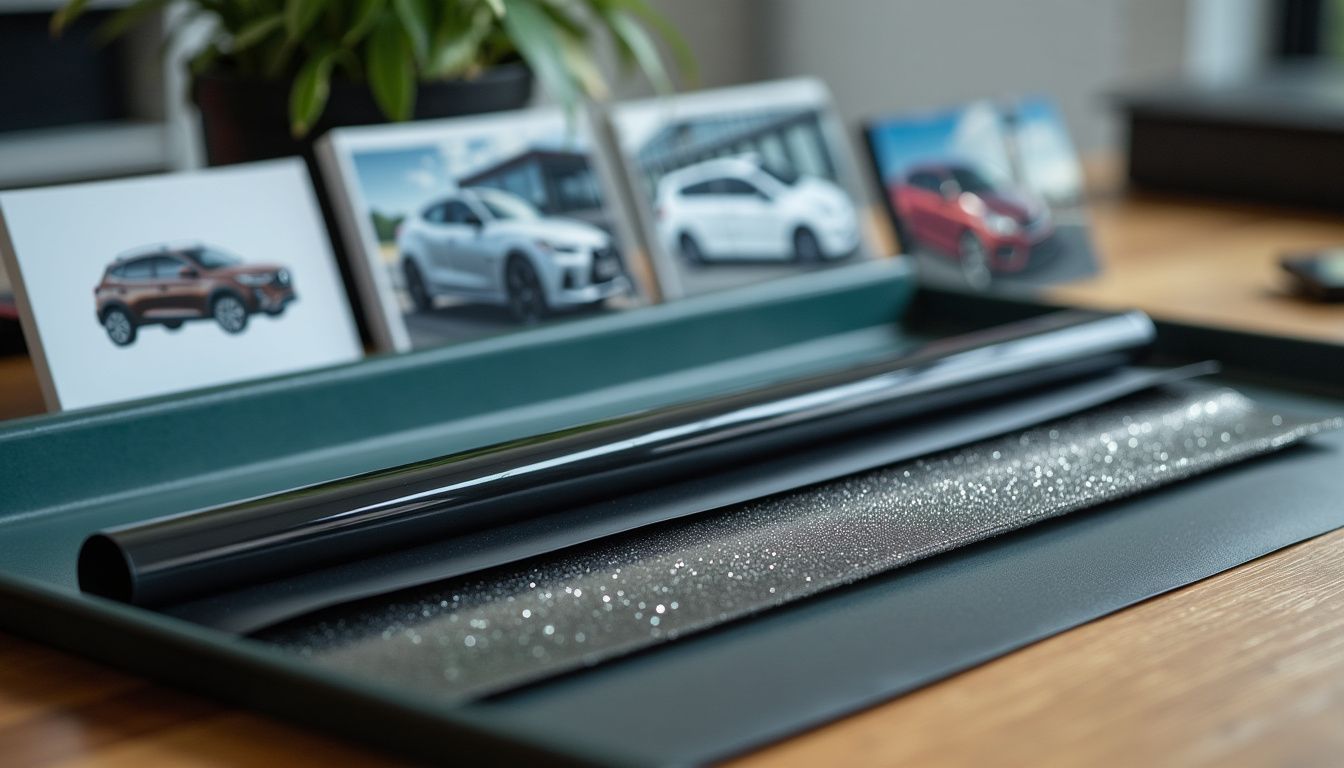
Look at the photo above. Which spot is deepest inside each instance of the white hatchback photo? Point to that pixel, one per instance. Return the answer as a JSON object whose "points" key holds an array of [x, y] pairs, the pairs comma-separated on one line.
{"points": [[492, 247], [737, 209]]}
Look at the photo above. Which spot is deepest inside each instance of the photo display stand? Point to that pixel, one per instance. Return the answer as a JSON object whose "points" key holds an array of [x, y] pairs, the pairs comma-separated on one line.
{"points": [[700, 698]]}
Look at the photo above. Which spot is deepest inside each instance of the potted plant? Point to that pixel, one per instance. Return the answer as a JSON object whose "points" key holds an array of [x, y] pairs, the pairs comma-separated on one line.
{"points": [[275, 74]]}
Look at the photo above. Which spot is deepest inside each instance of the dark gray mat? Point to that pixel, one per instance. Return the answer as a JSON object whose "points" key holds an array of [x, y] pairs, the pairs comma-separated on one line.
{"points": [[746, 684]]}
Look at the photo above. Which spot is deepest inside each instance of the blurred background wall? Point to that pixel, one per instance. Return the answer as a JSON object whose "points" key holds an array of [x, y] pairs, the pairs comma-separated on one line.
{"points": [[882, 55], [877, 56]]}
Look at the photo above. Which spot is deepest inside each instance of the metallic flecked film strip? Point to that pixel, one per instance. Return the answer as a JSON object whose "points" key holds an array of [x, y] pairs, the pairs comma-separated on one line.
{"points": [[477, 635]]}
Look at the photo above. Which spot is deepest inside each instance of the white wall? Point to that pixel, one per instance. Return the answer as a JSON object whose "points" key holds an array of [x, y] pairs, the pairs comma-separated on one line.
{"points": [[1225, 39], [885, 55]]}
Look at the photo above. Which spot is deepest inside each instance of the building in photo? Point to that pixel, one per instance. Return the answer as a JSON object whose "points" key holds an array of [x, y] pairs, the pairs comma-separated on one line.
{"points": [[789, 141], [558, 182]]}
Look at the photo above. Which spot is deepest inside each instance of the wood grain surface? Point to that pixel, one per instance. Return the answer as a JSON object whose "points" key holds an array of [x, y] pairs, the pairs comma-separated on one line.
{"points": [[1207, 264], [1245, 668], [19, 391]]}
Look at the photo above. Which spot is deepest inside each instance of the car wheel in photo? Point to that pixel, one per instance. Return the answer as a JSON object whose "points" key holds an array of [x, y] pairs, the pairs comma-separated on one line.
{"points": [[690, 249], [172, 325], [119, 326], [973, 259], [229, 312], [527, 299], [416, 286], [806, 247]]}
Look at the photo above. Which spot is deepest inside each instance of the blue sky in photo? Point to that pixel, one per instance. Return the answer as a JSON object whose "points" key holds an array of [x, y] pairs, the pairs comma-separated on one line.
{"points": [[1037, 109], [976, 133], [899, 141], [395, 181]]}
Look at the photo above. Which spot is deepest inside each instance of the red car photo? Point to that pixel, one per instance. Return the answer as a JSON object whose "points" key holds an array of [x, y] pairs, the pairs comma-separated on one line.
{"points": [[954, 210]]}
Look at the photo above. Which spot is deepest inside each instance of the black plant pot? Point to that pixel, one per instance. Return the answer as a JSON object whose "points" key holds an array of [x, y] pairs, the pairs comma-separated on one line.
{"points": [[248, 119]]}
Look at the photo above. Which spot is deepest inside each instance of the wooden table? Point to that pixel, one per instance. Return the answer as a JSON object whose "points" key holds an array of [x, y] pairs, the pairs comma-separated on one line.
{"points": [[1244, 667]]}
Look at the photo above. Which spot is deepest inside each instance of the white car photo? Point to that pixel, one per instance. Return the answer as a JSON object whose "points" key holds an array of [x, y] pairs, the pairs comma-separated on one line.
{"points": [[736, 209], [489, 246]]}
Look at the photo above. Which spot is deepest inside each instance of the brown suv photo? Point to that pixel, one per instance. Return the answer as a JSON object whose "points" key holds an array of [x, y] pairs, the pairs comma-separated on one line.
{"points": [[169, 285]]}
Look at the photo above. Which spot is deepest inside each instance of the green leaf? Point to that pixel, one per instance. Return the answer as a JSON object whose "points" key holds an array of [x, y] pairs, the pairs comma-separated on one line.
{"points": [[391, 69], [202, 61], [300, 15], [66, 15], [348, 65], [308, 95], [536, 37], [256, 31], [562, 18], [583, 66], [458, 39], [414, 15], [275, 61], [677, 45], [366, 13], [631, 36]]}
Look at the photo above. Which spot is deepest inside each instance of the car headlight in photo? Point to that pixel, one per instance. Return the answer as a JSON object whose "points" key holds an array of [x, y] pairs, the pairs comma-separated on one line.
{"points": [[255, 280], [549, 246], [1002, 225]]}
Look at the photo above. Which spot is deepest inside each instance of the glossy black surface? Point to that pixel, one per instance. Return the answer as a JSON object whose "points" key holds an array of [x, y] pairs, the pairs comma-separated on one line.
{"points": [[175, 558]]}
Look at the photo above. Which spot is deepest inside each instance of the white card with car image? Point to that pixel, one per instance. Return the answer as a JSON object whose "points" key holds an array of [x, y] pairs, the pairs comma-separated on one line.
{"points": [[743, 184], [468, 227], [152, 285]]}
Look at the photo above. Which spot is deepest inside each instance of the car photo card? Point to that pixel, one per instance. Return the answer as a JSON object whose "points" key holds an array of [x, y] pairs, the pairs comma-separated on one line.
{"points": [[985, 194], [467, 227], [742, 184], [159, 284]]}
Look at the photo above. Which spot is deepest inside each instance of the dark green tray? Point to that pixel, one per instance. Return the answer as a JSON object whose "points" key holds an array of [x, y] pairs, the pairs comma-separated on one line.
{"points": [[68, 475]]}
